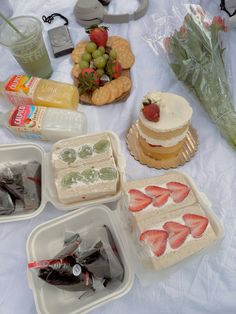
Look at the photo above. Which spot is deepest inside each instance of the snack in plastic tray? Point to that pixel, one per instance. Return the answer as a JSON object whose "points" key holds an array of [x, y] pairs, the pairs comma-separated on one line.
{"points": [[168, 220], [84, 168], [86, 263], [20, 187], [101, 68], [163, 124]]}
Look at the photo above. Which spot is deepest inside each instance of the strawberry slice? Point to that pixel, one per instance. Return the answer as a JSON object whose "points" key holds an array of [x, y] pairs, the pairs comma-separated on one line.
{"points": [[179, 191], [159, 194], [177, 233], [196, 223], [156, 239], [138, 200]]}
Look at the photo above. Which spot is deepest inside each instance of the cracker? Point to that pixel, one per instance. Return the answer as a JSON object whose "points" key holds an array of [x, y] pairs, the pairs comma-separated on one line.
{"points": [[114, 41], [76, 70], [126, 83], [101, 95], [114, 90], [78, 51], [125, 57]]}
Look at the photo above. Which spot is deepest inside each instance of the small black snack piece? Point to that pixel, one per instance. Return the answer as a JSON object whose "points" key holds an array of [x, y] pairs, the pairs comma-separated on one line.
{"points": [[83, 265], [20, 187]]}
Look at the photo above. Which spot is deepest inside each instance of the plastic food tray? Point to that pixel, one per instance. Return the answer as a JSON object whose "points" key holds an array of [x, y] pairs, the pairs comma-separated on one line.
{"points": [[47, 239], [25, 152]]}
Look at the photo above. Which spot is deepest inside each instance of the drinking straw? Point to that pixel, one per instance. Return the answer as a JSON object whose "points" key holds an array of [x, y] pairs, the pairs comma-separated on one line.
{"points": [[11, 25]]}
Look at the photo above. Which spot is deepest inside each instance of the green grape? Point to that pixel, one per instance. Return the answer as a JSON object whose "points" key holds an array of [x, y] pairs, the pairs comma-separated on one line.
{"points": [[105, 56], [108, 173], [85, 151], [83, 64], [102, 49], [86, 56], [68, 155], [112, 54], [90, 175], [100, 72], [99, 62], [97, 53], [71, 178], [91, 47], [101, 146]]}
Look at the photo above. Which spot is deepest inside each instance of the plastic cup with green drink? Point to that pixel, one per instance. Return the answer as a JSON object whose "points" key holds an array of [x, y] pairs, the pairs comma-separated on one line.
{"points": [[23, 36]]}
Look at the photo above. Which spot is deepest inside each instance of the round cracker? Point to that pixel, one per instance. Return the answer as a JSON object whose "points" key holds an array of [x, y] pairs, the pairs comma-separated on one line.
{"points": [[114, 41], [114, 91], [101, 95], [125, 57], [78, 52], [126, 82], [76, 70]]}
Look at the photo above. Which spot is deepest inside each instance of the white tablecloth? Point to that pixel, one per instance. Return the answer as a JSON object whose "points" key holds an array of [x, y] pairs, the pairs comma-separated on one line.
{"points": [[205, 285]]}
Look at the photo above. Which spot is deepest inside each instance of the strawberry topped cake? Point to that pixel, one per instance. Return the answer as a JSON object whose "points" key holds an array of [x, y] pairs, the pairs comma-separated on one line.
{"points": [[163, 124]]}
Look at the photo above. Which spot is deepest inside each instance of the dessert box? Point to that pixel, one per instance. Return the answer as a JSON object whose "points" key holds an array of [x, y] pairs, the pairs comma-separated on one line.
{"points": [[46, 239], [18, 153]]}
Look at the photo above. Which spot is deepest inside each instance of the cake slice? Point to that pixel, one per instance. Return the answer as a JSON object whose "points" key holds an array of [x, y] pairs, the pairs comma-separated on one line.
{"points": [[153, 196], [171, 237], [87, 182], [79, 151]]}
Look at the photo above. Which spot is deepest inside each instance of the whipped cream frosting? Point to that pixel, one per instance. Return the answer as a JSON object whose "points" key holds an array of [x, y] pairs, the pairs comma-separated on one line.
{"points": [[168, 247], [166, 143], [175, 112]]}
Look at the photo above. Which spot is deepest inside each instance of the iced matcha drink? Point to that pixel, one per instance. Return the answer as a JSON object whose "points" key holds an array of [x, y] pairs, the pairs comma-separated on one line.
{"points": [[29, 50]]}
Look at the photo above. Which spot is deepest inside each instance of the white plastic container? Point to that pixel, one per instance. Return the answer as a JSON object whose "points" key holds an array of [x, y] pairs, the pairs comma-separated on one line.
{"points": [[24, 152], [47, 239]]}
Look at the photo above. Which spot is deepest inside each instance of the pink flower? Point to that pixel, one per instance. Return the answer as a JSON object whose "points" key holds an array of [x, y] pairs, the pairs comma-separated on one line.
{"points": [[183, 30], [219, 23], [207, 25], [166, 43], [200, 11]]}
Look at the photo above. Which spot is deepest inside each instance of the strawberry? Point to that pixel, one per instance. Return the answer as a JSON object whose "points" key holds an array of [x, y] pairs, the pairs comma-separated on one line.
{"points": [[159, 194], [179, 191], [88, 80], [177, 233], [138, 200], [151, 111], [156, 239], [98, 35], [196, 223], [113, 69]]}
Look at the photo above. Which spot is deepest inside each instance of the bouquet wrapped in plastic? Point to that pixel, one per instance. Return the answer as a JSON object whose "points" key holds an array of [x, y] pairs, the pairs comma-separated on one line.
{"points": [[195, 52]]}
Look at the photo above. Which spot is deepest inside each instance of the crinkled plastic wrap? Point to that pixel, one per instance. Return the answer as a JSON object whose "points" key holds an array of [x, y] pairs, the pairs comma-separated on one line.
{"points": [[20, 187], [190, 38], [87, 263]]}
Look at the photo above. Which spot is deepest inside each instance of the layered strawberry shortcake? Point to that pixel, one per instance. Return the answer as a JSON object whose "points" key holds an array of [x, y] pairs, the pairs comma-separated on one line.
{"points": [[163, 124]]}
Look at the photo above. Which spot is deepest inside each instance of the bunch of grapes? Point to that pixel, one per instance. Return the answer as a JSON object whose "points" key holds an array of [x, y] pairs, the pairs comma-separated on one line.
{"points": [[97, 57]]}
